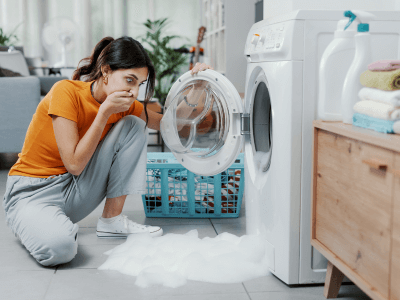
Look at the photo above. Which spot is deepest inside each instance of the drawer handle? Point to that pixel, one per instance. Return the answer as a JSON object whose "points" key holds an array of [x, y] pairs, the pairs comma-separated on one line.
{"points": [[376, 164], [396, 173]]}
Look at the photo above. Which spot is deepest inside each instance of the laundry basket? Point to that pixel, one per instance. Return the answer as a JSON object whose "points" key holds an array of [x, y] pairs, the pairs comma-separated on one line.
{"points": [[175, 192]]}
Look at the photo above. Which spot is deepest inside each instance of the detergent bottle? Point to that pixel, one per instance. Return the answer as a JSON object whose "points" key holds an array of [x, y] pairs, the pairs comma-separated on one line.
{"points": [[362, 59], [333, 68]]}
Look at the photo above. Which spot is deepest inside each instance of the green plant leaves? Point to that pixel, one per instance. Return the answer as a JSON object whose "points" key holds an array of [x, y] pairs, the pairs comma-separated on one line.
{"points": [[6, 40], [167, 62]]}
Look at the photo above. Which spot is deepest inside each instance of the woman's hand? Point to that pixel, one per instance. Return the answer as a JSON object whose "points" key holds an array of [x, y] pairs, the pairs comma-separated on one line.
{"points": [[200, 67], [193, 105], [117, 102]]}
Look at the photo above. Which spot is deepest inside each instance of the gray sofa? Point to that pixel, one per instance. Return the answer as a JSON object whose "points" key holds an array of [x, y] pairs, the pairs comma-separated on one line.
{"points": [[19, 98]]}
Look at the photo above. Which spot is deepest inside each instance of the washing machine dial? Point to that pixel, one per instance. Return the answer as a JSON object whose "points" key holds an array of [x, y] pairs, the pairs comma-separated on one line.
{"points": [[262, 39], [255, 39]]}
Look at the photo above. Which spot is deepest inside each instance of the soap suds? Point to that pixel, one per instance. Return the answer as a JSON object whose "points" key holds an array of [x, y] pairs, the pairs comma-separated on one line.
{"points": [[172, 259], [260, 161]]}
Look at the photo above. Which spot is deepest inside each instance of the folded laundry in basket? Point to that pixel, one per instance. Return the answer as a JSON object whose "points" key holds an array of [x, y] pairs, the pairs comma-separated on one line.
{"points": [[153, 201], [178, 174], [376, 124], [389, 97], [199, 194], [154, 184], [210, 179], [226, 207], [384, 80], [181, 208], [377, 110], [384, 65], [204, 190], [178, 192], [208, 187]]}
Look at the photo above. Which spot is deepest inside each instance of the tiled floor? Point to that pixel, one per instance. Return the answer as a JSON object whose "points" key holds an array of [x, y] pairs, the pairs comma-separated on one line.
{"points": [[22, 278]]}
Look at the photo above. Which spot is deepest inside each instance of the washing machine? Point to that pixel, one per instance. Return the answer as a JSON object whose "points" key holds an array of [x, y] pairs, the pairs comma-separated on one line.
{"points": [[206, 125]]}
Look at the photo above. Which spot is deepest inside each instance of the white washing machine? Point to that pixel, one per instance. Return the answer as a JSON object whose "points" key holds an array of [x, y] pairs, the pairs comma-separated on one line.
{"points": [[206, 125]]}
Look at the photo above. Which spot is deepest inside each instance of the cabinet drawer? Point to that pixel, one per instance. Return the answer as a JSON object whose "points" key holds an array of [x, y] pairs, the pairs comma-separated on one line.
{"points": [[353, 205], [395, 277]]}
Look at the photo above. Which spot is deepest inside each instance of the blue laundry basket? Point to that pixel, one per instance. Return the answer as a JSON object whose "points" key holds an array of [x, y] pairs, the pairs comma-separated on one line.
{"points": [[175, 192]]}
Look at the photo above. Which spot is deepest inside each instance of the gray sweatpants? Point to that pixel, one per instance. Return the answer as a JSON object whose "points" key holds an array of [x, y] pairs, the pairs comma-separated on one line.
{"points": [[42, 212]]}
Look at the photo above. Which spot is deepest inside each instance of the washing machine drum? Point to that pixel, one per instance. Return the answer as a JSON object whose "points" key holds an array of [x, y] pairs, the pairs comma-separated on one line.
{"points": [[201, 122]]}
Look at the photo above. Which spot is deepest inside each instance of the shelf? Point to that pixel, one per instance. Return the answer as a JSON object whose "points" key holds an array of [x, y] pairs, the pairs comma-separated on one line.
{"points": [[214, 16], [227, 23], [214, 20]]}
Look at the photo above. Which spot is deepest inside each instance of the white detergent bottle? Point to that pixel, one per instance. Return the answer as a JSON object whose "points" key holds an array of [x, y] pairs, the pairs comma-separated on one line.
{"points": [[333, 68], [362, 59]]}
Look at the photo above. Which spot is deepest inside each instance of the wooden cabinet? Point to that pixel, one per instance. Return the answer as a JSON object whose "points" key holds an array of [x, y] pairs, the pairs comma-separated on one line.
{"points": [[395, 271], [356, 207], [352, 195]]}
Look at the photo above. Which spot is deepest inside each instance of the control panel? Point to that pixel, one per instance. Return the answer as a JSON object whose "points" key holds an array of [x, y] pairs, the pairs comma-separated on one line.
{"points": [[282, 40], [267, 38]]}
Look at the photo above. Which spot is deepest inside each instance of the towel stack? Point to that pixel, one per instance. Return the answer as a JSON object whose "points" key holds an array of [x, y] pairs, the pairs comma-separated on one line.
{"points": [[379, 105]]}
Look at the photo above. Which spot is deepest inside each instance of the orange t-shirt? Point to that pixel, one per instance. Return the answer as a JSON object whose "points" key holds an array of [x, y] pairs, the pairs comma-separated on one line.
{"points": [[72, 100]]}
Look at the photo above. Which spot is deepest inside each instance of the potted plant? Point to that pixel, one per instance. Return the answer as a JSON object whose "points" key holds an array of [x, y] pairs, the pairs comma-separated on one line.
{"points": [[167, 61], [7, 40]]}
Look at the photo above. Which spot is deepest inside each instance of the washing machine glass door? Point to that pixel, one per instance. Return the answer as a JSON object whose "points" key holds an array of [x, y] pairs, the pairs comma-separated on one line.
{"points": [[201, 123]]}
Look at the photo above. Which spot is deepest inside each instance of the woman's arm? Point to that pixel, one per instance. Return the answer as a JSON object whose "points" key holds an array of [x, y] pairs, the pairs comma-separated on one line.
{"points": [[154, 119], [76, 153]]}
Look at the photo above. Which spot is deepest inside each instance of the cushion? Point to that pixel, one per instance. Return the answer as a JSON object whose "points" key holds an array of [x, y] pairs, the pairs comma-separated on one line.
{"points": [[8, 73]]}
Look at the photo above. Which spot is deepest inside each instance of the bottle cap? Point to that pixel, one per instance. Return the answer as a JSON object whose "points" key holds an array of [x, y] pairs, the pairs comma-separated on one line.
{"points": [[362, 17], [363, 27]]}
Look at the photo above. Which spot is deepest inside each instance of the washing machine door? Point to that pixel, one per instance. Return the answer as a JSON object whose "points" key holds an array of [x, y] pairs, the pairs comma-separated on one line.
{"points": [[202, 122]]}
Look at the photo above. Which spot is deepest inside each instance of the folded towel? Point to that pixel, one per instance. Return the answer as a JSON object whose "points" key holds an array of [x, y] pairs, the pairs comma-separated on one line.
{"points": [[389, 97], [396, 127], [379, 125], [384, 65], [377, 110], [383, 80]]}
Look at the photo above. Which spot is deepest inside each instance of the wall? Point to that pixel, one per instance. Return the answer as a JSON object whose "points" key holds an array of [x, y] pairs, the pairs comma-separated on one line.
{"points": [[239, 17], [96, 19], [277, 7], [184, 16]]}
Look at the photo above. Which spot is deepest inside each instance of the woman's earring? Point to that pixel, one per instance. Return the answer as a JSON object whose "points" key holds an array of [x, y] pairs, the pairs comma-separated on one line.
{"points": [[105, 80]]}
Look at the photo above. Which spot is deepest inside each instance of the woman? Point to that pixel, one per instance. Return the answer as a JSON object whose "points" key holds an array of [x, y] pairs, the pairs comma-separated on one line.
{"points": [[87, 140]]}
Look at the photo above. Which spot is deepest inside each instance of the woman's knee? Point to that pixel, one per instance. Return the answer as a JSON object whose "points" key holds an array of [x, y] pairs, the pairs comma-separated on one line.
{"points": [[135, 121], [137, 128], [57, 250]]}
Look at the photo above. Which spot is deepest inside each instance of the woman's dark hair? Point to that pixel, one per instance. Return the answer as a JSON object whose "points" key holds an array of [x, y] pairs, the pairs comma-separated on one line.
{"points": [[122, 53]]}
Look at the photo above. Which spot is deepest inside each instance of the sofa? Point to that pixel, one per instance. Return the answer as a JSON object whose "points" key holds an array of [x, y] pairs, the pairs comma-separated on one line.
{"points": [[19, 97]]}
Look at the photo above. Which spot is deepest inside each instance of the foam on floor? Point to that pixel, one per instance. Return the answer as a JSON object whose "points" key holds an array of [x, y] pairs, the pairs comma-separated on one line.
{"points": [[172, 259]]}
